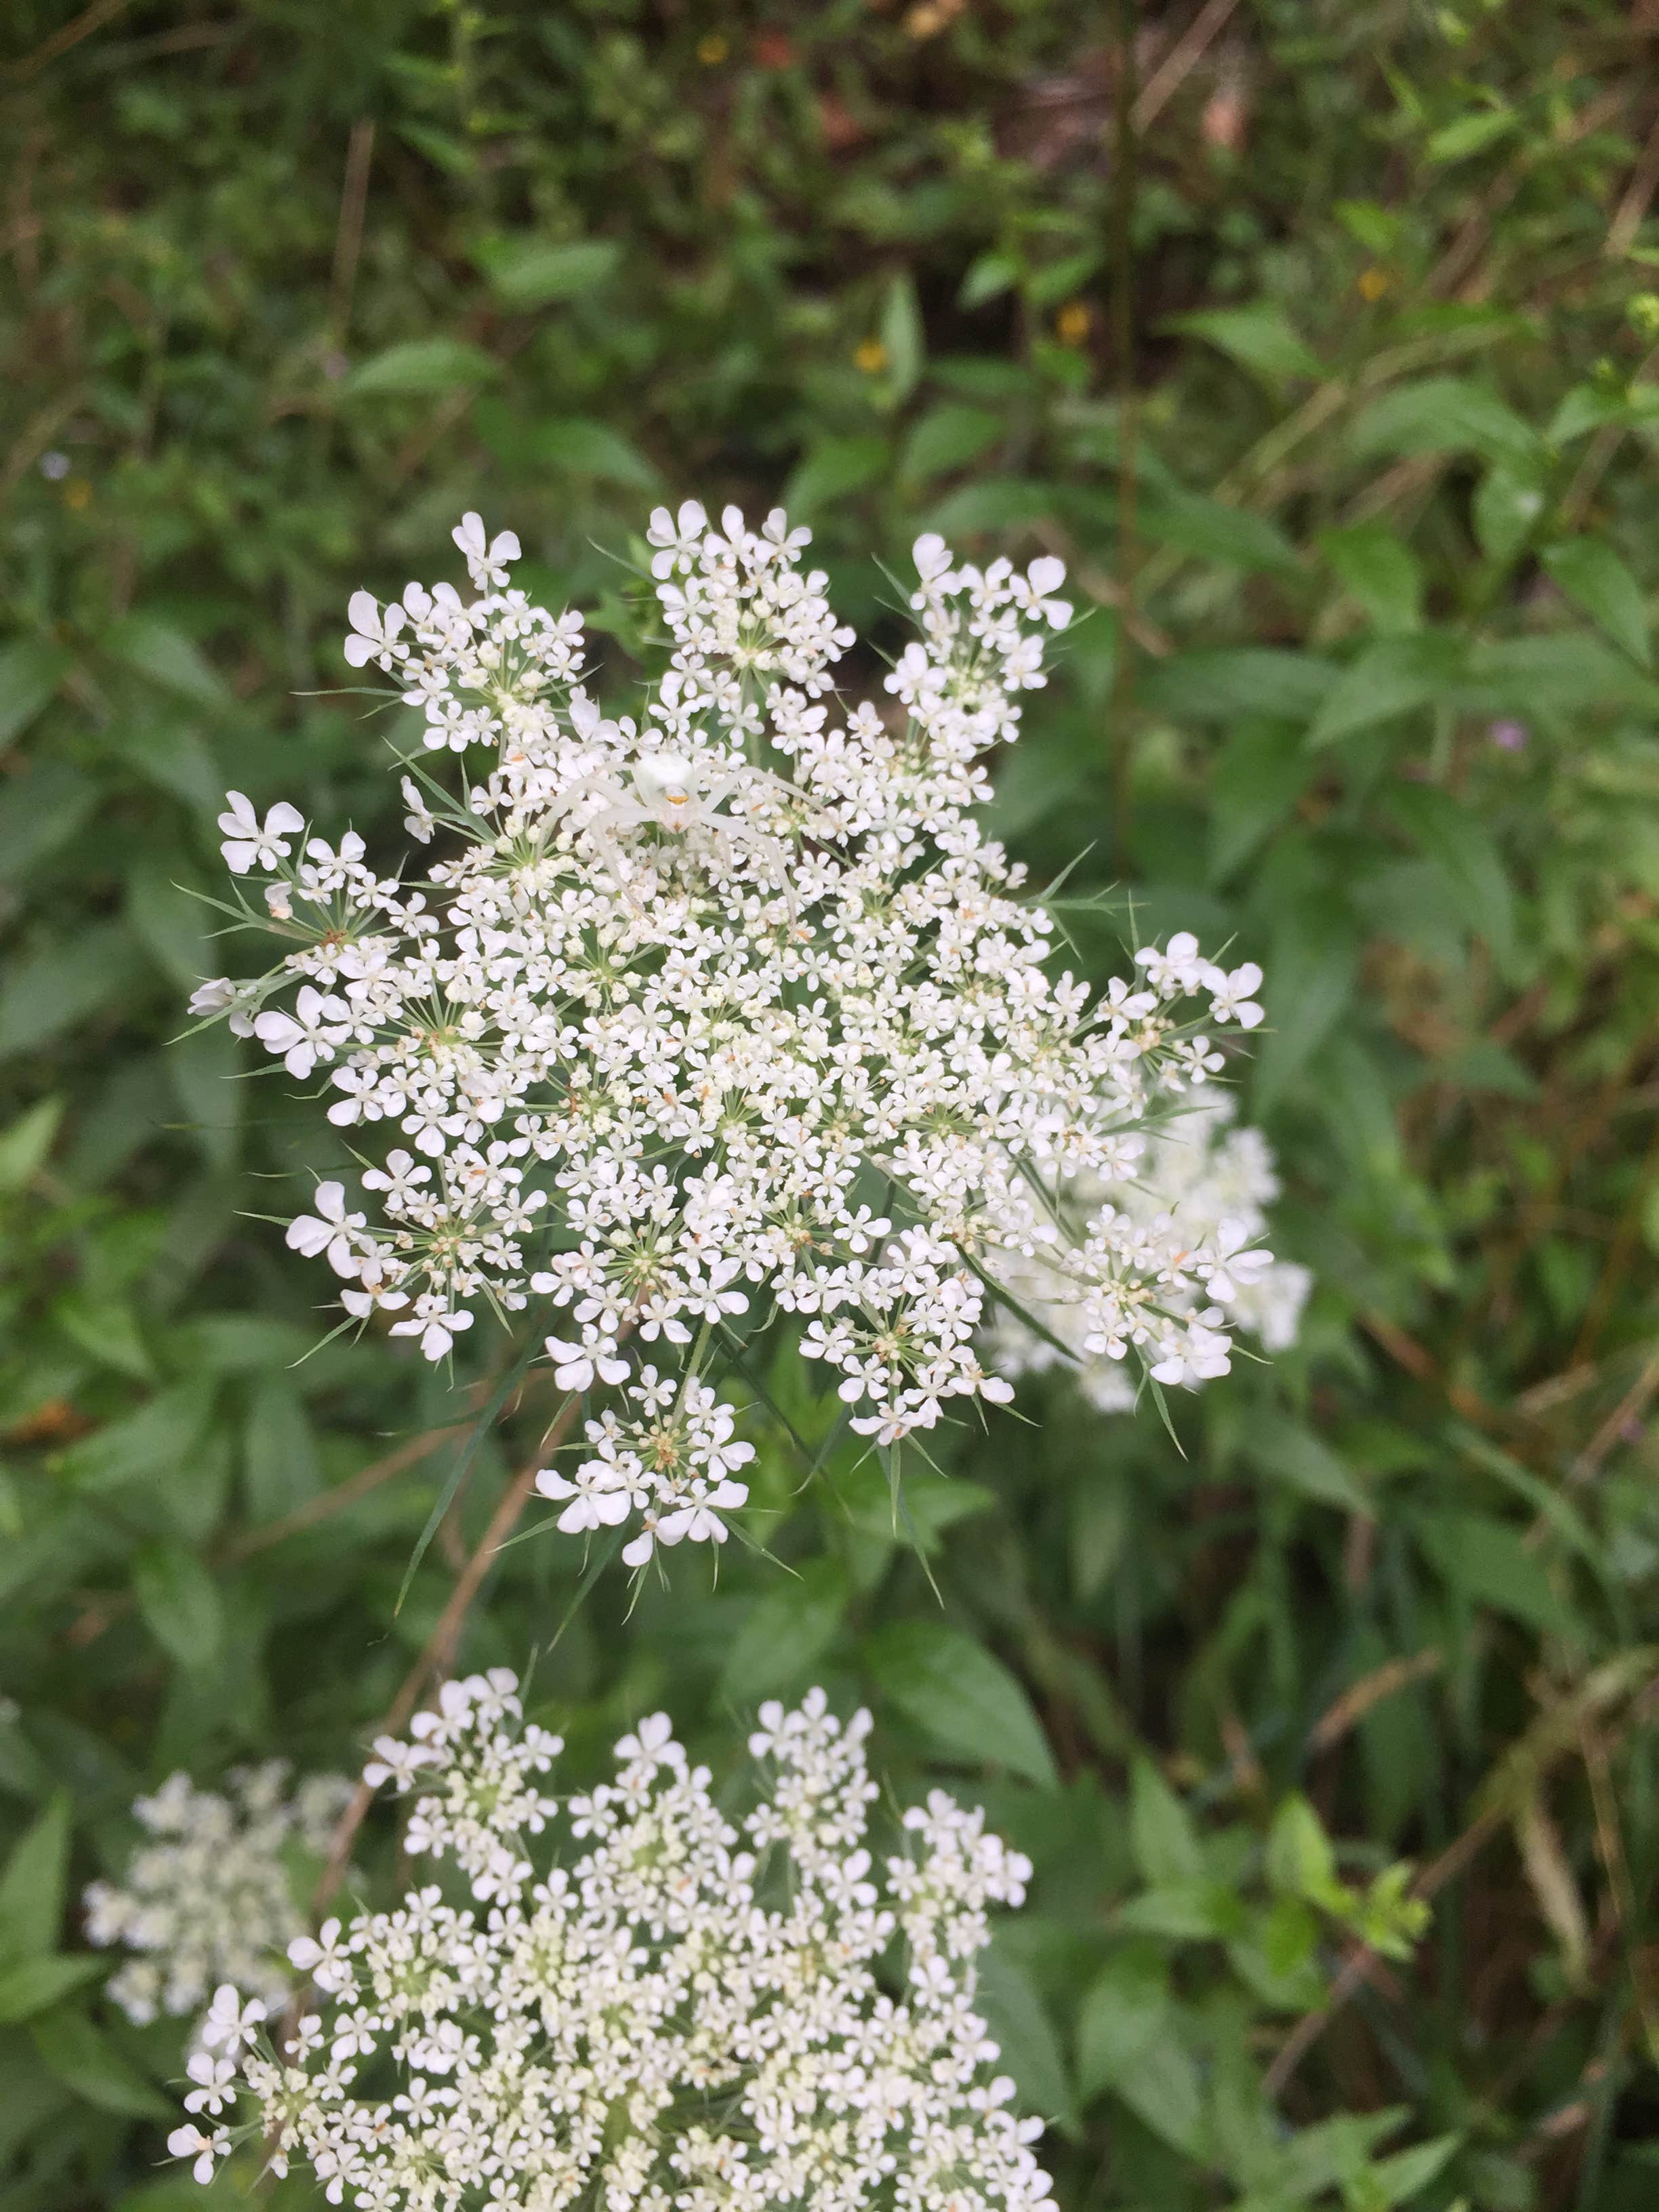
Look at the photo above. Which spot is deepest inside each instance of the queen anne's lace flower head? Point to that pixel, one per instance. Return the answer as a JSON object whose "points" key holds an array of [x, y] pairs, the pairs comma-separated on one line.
{"points": [[208, 1899], [671, 2009], [1212, 1183], [723, 1008]]}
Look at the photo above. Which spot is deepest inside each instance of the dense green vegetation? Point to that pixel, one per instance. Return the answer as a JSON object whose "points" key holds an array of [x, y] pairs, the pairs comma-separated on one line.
{"points": [[1367, 515]]}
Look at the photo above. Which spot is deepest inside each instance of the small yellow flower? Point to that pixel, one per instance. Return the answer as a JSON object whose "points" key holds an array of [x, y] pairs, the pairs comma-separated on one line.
{"points": [[77, 494], [1374, 282], [870, 355], [1072, 323], [712, 50]]}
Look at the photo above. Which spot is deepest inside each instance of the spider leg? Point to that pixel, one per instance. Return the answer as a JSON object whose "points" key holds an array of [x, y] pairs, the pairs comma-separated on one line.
{"points": [[610, 853], [762, 843], [559, 807]]}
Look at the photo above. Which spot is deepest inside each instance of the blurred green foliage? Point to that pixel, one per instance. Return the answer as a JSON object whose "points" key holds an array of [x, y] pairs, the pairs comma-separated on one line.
{"points": [[289, 286]]}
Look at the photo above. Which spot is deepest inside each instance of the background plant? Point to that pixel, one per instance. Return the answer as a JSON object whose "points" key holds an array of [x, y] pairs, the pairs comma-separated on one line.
{"points": [[1366, 504]]}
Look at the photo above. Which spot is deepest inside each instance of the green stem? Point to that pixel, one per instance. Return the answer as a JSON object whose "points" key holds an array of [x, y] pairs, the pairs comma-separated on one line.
{"points": [[1123, 333]]}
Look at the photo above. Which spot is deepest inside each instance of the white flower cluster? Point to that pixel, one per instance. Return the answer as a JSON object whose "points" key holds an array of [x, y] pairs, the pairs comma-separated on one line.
{"points": [[1209, 1181], [729, 1009], [684, 2017], [209, 1898]]}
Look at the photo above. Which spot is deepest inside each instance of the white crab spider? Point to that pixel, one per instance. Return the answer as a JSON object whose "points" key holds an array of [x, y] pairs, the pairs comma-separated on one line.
{"points": [[662, 791]]}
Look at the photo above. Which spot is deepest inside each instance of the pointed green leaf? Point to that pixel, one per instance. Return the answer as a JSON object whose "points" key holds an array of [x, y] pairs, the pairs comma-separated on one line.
{"points": [[1253, 679], [1394, 677], [833, 468], [961, 1696], [1126, 2014], [1258, 335], [1161, 1831], [1380, 571], [30, 1987], [787, 1633], [903, 336], [1444, 415], [419, 368], [1463, 849], [534, 272], [30, 671], [1300, 1860], [32, 1888], [1025, 2037], [1210, 530], [180, 1603], [156, 649], [87, 2062], [1593, 576]]}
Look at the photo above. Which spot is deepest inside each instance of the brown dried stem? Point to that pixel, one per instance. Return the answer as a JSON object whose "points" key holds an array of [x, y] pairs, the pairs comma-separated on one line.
{"points": [[438, 1655]]}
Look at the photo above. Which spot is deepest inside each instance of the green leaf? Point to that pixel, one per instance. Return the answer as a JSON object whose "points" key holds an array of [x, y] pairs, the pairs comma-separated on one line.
{"points": [[834, 468], [30, 1987], [998, 503], [1471, 134], [25, 1145], [166, 752], [280, 1468], [31, 1889], [1216, 687], [1506, 508], [1462, 848], [947, 438], [1314, 957], [1286, 1449], [1444, 415], [902, 335], [1380, 571], [30, 671], [579, 448], [47, 807], [1127, 2043], [419, 368], [1059, 280], [179, 1602], [1025, 2037], [787, 1633], [961, 1696], [171, 925], [1210, 530], [1397, 2179], [162, 1436], [1485, 1560], [1394, 677], [1126, 2014], [1274, 1957], [1161, 1831], [1258, 774], [1559, 674], [1587, 407], [1300, 1860], [156, 649], [1188, 1911], [1328, 2153], [89, 2063], [62, 985], [106, 1329], [533, 272], [1167, 2096], [989, 274], [1258, 335], [202, 1068], [1592, 575]]}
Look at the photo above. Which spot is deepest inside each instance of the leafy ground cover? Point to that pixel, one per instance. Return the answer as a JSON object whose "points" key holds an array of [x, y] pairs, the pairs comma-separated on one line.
{"points": [[1319, 341]]}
